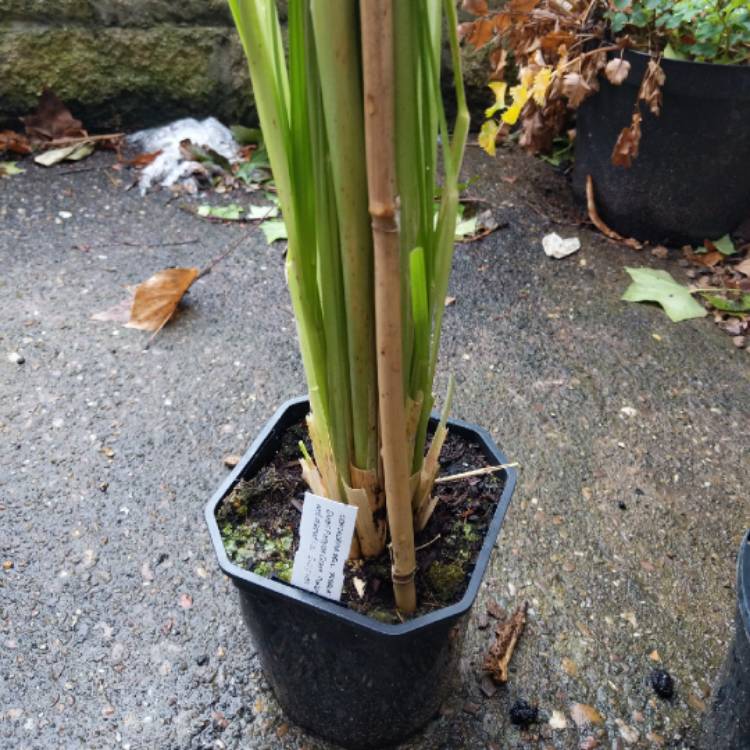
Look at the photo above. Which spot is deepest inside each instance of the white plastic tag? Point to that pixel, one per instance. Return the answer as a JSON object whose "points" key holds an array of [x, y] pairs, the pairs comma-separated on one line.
{"points": [[325, 533]]}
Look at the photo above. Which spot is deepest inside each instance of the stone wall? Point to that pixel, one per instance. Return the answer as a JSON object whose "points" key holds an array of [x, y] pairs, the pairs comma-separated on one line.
{"points": [[129, 63]]}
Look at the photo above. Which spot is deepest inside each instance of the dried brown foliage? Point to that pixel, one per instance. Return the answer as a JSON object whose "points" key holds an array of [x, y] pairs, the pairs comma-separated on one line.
{"points": [[570, 41]]}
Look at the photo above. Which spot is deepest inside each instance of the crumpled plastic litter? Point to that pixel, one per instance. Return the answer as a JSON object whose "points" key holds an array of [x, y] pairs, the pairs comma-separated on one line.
{"points": [[171, 167], [556, 247]]}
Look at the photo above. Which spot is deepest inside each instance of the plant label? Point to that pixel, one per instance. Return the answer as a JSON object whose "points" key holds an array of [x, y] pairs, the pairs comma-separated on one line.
{"points": [[325, 533]]}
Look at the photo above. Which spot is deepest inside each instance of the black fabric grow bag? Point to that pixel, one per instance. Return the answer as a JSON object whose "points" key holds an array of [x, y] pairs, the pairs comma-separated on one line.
{"points": [[691, 179], [344, 676], [727, 725]]}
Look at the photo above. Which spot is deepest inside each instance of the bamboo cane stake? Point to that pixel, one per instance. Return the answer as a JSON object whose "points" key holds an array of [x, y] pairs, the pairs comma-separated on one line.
{"points": [[379, 106]]}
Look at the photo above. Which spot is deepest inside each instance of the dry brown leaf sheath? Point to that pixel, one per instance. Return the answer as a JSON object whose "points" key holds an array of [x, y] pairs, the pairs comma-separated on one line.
{"points": [[157, 298], [507, 634]]}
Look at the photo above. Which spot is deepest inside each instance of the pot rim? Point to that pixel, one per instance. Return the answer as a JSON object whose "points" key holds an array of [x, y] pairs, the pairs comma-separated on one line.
{"points": [[671, 60], [245, 578]]}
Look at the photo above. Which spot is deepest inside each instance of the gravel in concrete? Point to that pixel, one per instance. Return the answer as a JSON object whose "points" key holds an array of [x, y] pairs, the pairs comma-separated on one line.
{"points": [[116, 627]]}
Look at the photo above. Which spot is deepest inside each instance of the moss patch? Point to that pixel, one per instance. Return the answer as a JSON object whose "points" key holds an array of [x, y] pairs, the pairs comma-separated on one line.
{"points": [[115, 77]]}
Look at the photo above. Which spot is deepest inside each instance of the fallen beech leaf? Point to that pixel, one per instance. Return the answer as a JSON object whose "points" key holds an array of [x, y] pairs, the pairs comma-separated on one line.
{"points": [[449, 301], [119, 313], [617, 70], [558, 720], [231, 461], [654, 656], [597, 221], [743, 267], [52, 120], [157, 298], [15, 142], [507, 634], [584, 715]]}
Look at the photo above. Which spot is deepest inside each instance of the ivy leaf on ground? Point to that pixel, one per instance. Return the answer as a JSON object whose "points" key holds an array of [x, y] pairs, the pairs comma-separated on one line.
{"points": [[651, 285], [232, 212], [10, 168], [274, 229], [724, 245]]}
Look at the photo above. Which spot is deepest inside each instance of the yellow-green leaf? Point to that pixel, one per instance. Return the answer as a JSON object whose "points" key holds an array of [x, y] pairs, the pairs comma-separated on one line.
{"points": [[488, 136]]}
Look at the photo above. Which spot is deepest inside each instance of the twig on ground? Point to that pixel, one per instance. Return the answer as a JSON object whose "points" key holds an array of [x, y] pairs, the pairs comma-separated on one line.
{"points": [[475, 473]]}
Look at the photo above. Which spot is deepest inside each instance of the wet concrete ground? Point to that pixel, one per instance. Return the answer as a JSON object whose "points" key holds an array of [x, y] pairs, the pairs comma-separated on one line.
{"points": [[117, 629]]}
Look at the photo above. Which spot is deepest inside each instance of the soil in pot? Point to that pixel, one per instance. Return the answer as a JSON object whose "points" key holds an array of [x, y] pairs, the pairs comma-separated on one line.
{"points": [[259, 523]]}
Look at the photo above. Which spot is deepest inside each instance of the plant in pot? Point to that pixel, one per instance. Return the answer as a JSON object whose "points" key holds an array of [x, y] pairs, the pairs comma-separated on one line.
{"points": [[367, 172], [662, 93]]}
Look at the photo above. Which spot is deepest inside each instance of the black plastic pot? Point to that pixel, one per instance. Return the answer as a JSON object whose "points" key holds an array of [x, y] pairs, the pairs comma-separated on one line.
{"points": [[337, 673], [691, 179], [727, 725]]}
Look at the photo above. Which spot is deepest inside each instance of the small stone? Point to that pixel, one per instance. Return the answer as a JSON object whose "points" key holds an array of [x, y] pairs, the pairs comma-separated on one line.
{"points": [[630, 735], [16, 358], [487, 685], [738, 341], [662, 683], [202, 660], [7, 564], [231, 461], [522, 713], [108, 710], [696, 703], [471, 708]]}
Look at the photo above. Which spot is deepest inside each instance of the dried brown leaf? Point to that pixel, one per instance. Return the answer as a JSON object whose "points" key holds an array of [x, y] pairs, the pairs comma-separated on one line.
{"points": [[16, 143], [743, 267], [479, 32], [52, 120], [143, 160], [596, 220], [475, 7], [507, 634], [119, 313], [575, 89], [157, 298], [617, 70], [650, 91], [628, 142]]}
